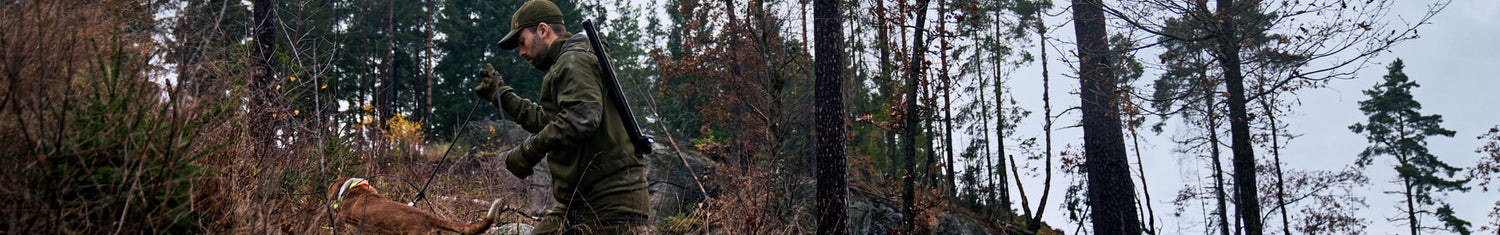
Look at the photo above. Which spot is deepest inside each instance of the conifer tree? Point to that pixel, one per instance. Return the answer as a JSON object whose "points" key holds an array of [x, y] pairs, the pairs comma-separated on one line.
{"points": [[1398, 129]]}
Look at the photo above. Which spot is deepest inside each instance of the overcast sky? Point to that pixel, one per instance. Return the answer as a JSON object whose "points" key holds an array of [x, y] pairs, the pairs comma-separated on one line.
{"points": [[1454, 61]]}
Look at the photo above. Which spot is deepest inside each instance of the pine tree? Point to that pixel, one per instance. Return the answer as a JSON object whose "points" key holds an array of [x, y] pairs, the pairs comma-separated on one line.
{"points": [[1398, 129], [912, 123], [833, 187], [1110, 191], [471, 28]]}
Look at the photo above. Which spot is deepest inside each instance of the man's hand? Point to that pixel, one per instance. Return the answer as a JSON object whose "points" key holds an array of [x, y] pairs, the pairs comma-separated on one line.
{"points": [[520, 159], [492, 86]]}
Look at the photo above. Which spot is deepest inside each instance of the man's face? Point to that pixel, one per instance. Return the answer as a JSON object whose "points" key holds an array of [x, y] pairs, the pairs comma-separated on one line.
{"points": [[533, 43]]}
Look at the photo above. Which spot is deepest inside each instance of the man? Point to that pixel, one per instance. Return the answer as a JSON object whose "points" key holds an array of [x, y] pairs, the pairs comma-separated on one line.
{"points": [[599, 184]]}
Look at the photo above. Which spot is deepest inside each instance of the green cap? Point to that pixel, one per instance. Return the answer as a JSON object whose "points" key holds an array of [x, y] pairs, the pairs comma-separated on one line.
{"points": [[531, 13]]}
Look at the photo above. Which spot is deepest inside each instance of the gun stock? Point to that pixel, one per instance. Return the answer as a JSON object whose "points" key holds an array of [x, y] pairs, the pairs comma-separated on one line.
{"points": [[642, 142]]}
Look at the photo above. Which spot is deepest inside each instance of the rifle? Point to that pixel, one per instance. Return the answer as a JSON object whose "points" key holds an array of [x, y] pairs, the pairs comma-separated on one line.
{"points": [[642, 142]]}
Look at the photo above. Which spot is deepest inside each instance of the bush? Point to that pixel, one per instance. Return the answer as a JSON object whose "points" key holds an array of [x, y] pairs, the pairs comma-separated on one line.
{"points": [[110, 155]]}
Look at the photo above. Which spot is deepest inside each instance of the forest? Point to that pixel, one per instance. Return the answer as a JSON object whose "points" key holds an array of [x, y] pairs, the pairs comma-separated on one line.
{"points": [[769, 116]]}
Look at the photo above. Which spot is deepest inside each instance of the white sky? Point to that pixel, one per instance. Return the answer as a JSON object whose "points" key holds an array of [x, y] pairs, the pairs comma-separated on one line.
{"points": [[1454, 61]]}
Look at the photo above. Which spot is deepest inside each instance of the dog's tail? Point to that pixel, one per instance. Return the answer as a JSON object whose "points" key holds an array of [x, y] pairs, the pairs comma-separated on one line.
{"points": [[483, 224]]}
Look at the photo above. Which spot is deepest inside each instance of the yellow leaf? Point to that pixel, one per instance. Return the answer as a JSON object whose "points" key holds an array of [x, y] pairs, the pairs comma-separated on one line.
{"points": [[296, 112], [278, 87], [325, 86], [294, 78]]}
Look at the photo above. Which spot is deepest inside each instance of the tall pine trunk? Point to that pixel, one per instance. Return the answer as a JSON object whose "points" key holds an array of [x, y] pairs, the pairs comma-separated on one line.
{"points": [[1286, 224], [1247, 208], [912, 123], [947, 107], [425, 109], [1003, 189], [1140, 165], [829, 92], [1110, 191], [1041, 32], [1213, 142]]}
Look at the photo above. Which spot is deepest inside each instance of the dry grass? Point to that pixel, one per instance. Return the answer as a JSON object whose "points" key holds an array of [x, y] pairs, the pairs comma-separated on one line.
{"points": [[98, 141]]}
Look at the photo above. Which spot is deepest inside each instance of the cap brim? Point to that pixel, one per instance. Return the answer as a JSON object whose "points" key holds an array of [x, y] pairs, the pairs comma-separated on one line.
{"points": [[509, 42]]}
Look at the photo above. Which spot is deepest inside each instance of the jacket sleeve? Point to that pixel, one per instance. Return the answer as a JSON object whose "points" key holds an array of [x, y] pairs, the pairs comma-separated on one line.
{"points": [[581, 109], [528, 114]]}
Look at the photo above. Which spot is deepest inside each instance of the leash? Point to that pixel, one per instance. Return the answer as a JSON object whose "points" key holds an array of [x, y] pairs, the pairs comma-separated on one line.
{"points": [[422, 194]]}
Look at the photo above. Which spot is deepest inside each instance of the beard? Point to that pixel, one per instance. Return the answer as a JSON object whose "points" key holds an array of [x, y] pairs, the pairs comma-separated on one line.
{"points": [[537, 52]]}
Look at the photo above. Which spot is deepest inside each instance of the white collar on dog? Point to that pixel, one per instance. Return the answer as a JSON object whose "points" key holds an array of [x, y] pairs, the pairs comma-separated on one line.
{"points": [[348, 184]]}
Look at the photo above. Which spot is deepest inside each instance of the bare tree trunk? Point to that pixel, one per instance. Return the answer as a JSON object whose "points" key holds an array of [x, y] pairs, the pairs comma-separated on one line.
{"points": [[911, 127], [833, 188], [1110, 190], [1247, 208], [425, 110], [1411, 207], [1003, 190], [1041, 206], [885, 39], [1025, 203], [947, 107], [1286, 224], [1213, 141], [983, 195], [1140, 165]]}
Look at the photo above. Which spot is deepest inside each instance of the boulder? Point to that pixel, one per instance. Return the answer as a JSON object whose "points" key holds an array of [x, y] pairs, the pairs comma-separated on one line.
{"points": [[674, 189]]}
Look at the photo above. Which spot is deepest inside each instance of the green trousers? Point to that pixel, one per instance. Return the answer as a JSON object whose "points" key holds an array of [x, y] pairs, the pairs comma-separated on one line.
{"points": [[555, 223]]}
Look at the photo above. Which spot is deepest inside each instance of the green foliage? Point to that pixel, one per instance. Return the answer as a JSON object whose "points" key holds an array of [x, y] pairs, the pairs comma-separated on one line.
{"points": [[1453, 223], [1398, 129], [471, 28], [118, 159], [201, 40]]}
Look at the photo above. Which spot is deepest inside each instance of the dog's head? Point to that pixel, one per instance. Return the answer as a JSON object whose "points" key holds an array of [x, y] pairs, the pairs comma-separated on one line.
{"points": [[344, 187]]}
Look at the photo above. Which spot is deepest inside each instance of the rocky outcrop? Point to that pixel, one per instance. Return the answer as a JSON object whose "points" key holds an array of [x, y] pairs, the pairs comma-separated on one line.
{"points": [[674, 189], [868, 215]]}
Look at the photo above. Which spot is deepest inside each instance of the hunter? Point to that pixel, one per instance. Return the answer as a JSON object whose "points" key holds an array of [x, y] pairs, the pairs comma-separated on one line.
{"points": [[599, 184]]}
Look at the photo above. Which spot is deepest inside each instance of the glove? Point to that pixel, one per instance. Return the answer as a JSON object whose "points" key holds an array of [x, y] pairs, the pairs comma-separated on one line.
{"points": [[520, 159], [492, 86]]}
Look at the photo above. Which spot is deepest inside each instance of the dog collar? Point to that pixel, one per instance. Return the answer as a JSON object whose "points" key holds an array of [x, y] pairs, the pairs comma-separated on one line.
{"points": [[348, 184]]}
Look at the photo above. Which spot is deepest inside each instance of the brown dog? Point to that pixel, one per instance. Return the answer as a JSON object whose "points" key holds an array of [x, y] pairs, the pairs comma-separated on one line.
{"points": [[359, 208]]}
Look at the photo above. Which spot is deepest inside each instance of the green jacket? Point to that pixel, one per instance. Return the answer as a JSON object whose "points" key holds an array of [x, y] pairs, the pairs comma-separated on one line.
{"points": [[593, 165]]}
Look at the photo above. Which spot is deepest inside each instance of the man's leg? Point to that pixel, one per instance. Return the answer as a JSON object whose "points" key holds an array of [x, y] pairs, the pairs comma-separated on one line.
{"points": [[625, 229], [551, 224]]}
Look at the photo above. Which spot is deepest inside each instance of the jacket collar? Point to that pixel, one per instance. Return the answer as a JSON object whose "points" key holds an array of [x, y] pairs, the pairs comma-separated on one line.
{"points": [[553, 52]]}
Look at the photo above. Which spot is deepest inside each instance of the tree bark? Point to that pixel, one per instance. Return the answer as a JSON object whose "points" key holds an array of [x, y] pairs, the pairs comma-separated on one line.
{"points": [[829, 92], [947, 108], [1003, 190], [425, 110], [1110, 191], [912, 123], [1286, 224], [1140, 165], [1213, 141], [1041, 207], [1248, 207]]}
